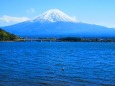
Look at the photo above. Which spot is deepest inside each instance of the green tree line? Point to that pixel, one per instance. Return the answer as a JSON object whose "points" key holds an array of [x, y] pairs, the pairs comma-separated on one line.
{"points": [[6, 36]]}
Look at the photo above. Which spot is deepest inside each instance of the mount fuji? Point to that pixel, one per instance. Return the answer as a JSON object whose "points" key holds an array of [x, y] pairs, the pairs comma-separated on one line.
{"points": [[55, 23], [54, 15]]}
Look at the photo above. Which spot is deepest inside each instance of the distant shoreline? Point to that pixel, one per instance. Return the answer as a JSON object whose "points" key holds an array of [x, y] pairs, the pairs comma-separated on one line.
{"points": [[66, 39], [7, 41]]}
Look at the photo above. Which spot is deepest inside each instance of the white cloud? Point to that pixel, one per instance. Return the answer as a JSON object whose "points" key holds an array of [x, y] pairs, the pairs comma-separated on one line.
{"points": [[9, 19], [74, 17], [31, 10]]}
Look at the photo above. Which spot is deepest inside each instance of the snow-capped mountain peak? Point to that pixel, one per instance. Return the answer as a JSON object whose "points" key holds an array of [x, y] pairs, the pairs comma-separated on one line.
{"points": [[42, 26], [54, 15]]}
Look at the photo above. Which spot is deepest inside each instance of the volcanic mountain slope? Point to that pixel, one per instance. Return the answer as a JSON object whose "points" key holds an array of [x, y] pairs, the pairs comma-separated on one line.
{"points": [[54, 15], [55, 23]]}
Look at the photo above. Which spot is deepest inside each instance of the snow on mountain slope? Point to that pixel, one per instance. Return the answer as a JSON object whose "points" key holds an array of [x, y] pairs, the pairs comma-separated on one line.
{"points": [[55, 23], [54, 15]]}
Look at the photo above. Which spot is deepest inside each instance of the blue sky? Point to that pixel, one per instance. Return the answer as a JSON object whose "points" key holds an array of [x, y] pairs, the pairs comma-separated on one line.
{"points": [[100, 12]]}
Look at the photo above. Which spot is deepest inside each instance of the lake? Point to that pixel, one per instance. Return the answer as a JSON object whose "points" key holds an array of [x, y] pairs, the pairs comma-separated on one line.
{"points": [[57, 64]]}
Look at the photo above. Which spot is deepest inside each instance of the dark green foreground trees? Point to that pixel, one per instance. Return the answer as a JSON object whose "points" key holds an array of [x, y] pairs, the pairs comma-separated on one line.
{"points": [[6, 36], [70, 39]]}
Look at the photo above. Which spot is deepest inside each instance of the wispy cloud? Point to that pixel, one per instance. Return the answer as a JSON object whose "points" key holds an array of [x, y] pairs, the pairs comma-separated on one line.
{"points": [[9, 19], [31, 10], [74, 17]]}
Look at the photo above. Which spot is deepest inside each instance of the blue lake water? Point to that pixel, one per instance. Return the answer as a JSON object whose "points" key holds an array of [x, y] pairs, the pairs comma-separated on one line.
{"points": [[41, 63]]}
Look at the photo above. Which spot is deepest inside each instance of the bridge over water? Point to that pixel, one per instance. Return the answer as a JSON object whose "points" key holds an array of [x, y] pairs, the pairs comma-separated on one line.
{"points": [[38, 39]]}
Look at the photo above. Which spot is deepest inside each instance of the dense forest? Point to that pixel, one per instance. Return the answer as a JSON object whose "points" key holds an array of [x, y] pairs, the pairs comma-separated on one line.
{"points": [[6, 36]]}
